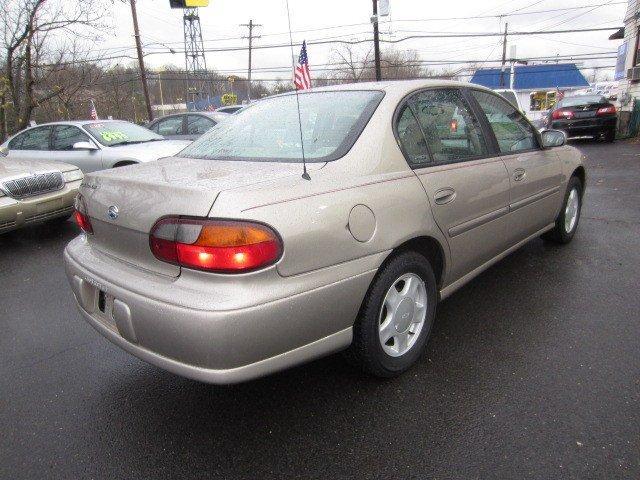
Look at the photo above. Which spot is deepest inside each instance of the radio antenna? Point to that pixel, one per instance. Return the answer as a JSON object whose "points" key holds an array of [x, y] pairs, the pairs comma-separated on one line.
{"points": [[305, 174]]}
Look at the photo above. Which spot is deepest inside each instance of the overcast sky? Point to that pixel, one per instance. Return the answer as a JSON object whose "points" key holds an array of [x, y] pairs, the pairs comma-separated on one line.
{"points": [[161, 29]]}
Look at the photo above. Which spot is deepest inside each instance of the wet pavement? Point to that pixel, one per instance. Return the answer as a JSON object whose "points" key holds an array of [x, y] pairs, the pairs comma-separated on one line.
{"points": [[533, 371]]}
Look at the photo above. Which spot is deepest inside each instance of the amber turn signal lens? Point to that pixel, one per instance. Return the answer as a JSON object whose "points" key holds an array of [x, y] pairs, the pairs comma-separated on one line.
{"points": [[233, 235]]}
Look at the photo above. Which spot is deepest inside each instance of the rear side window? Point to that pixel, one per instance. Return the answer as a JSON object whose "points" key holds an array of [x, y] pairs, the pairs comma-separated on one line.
{"points": [[33, 139], [411, 139], [512, 131], [197, 124], [450, 131], [64, 136], [169, 126]]}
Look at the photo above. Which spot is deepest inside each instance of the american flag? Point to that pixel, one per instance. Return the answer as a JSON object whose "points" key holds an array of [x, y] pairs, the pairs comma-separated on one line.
{"points": [[301, 76], [94, 112]]}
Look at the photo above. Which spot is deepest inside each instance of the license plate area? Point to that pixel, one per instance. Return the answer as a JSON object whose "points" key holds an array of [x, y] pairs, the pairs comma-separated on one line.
{"points": [[51, 205], [104, 312]]}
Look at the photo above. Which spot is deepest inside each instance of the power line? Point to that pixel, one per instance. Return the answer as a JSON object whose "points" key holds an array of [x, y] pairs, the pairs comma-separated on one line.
{"points": [[580, 14], [336, 27], [551, 67], [412, 37], [342, 79]]}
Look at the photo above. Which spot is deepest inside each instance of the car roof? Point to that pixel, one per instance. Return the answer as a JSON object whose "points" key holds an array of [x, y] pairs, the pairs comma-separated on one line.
{"points": [[216, 115], [393, 86], [77, 123]]}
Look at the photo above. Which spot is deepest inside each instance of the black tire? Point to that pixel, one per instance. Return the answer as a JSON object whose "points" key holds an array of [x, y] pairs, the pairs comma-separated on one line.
{"points": [[559, 234], [610, 135], [366, 351]]}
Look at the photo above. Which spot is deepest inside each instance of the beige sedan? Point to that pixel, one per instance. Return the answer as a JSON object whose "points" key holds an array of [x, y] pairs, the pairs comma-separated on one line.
{"points": [[36, 191], [307, 224]]}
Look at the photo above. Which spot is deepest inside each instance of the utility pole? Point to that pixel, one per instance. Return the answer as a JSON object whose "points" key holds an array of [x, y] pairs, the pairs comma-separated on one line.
{"points": [[143, 73], [161, 96], [504, 54], [250, 26], [376, 40]]}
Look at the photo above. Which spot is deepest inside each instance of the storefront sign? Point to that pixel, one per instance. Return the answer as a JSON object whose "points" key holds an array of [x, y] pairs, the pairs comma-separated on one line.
{"points": [[620, 62]]}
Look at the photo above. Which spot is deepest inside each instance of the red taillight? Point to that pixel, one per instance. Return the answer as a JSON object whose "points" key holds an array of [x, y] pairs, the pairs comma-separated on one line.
{"points": [[215, 245], [560, 114], [81, 217], [610, 110]]}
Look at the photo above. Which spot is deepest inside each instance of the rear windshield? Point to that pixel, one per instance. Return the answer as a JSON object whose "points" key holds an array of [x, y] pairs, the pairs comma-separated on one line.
{"points": [[269, 130], [112, 134], [581, 100]]}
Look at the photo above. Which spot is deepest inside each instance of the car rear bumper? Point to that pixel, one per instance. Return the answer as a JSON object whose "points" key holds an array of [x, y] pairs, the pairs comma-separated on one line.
{"points": [[214, 329], [19, 213], [585, 127]]}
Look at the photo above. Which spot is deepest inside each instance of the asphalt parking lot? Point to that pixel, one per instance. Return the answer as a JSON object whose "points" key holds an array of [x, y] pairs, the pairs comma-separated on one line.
{"points": [[533, 371]]}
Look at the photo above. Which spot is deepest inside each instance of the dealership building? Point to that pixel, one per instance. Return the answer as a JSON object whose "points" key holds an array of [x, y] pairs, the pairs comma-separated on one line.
{"points": [[628, 71], [538, 87]]}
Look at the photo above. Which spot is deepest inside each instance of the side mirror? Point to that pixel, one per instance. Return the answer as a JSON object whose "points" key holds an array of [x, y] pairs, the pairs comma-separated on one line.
{"points": [[84, 146], [553, 138]]}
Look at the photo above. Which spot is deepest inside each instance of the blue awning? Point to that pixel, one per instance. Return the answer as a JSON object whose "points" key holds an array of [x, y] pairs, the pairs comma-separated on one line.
{"points": [[532, 77]]}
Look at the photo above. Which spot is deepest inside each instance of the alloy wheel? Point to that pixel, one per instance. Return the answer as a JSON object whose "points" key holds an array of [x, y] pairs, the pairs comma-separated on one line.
{"points": [[571, 211], [402, 315]]}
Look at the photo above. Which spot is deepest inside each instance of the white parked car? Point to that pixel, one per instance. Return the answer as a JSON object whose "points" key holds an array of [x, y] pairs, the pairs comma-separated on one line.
{"points": [[91, 144]]}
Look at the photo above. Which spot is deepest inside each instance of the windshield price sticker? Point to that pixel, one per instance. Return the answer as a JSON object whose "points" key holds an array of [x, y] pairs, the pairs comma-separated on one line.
{"points": [[112, 136]]}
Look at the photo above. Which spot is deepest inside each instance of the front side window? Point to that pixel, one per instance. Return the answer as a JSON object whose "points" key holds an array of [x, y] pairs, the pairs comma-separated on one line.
{"points": [[197, 124], [512, 131], [112, 134], [451, 131], [65, 136], [169, 126], [33, 139], [271, 130]]}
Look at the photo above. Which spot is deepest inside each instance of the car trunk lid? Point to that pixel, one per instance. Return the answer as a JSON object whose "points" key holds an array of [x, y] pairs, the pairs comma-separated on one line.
{"points": [[587, 110], [124, 204]]}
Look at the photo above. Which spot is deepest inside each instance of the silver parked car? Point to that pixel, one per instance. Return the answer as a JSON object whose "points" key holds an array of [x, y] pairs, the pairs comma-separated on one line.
{"points": [[186, 126], [92, 144], [226, 263]]}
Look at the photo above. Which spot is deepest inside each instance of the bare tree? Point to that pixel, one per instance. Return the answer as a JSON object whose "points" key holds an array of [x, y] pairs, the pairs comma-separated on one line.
{"points": [[352, 64], [40, 40]]}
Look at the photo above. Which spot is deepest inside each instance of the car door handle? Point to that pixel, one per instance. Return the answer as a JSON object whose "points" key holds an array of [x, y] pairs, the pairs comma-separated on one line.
{"points": [[444, 196], [519, 174]]}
